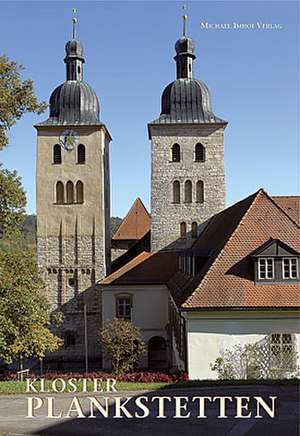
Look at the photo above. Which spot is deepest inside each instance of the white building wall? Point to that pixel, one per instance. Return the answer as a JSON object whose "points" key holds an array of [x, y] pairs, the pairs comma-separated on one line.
{"points": [[149, 310], [210, 333]]}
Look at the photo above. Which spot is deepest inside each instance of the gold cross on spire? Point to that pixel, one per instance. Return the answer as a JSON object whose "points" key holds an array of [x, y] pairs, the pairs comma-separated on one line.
{"points": [[184, 20], [74, 22]]}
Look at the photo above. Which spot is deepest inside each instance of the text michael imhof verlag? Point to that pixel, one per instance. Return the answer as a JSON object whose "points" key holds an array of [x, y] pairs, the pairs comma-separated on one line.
{"points": [[258, 25], [91, 397]]}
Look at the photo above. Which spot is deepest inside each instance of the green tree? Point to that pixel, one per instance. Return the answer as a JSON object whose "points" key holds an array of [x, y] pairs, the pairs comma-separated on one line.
{"points": [[123, 344], [16, 97], [24, 311], [12, 203]]}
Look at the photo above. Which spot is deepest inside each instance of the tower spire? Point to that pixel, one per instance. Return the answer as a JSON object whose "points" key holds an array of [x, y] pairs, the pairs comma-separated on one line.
{"points": [[74, 54], [184, 51], [184, 20], [74, 23]]}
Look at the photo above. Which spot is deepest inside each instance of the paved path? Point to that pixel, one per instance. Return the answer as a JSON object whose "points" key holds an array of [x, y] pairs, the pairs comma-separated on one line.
{"points": [[13, 411]]}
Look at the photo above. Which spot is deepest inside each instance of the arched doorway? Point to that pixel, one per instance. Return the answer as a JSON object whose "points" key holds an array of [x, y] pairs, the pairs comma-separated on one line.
{"points": [[157, 353]]}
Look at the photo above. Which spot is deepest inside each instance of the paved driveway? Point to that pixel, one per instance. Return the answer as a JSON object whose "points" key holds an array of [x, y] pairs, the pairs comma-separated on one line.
{"points": [[13, 411]]}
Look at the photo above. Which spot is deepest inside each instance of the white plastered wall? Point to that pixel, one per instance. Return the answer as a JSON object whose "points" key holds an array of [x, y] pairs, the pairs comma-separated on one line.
{"points": [[149, 310], [208, 333]]}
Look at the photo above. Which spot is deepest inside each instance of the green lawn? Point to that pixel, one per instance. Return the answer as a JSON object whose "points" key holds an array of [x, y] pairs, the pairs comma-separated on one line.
{"points": [[15, 387], [18, 387]]}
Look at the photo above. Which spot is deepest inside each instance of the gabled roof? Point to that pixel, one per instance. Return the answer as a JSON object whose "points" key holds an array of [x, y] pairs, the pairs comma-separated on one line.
{"points": [[274, 247], [226, 279], [226, 245], [290, 204], [146, 268], [136, 223]]}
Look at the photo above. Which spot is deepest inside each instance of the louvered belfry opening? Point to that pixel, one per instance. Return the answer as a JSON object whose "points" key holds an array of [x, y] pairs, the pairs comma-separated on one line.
{"points": [[199, 153], [81, 154], [57, 154]]}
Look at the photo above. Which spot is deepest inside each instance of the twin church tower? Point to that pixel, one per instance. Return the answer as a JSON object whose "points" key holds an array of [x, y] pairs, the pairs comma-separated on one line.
{"points": [[73, 180]]}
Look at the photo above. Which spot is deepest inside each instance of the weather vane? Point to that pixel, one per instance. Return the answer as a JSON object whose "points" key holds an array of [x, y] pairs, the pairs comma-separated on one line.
{"points": [[74, 21], [184, 20]]}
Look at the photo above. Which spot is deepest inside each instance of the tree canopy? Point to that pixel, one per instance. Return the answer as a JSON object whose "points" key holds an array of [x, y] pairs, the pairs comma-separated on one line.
{"points": [[122, 343], [17, 97], [24, 311], [12, 202]]}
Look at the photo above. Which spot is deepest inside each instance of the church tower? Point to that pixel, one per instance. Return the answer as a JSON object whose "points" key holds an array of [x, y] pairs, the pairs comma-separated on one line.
{"points": [[187, 148], [73, 204]]}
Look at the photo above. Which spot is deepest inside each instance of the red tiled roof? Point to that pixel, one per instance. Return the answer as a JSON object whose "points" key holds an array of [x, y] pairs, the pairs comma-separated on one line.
{"points": [[227, 279], [136, 223], [290, 204], [146, 268]]}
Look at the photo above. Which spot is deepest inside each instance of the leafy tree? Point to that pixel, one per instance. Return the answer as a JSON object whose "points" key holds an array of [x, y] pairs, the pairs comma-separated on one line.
{"points": [[24, 311], [12, 202], [16, 97], [123, 344]]}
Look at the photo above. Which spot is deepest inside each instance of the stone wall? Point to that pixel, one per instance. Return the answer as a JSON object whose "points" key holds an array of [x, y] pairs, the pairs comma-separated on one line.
{"points": [[165, 214]]}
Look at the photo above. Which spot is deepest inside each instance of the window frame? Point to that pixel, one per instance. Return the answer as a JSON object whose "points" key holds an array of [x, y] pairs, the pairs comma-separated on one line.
{"points": [[265, 259], [127, 297], [290, 259]]}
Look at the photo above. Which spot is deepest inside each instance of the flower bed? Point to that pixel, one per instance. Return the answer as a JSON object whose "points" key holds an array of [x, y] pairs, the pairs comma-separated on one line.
{"points": [[140, 377]]}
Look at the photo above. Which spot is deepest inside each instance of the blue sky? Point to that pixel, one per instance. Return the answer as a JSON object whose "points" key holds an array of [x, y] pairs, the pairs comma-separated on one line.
{"points": [[129, 49]]}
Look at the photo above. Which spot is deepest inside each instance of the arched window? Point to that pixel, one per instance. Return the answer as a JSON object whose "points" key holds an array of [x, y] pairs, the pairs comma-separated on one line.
{"points": [[57, 154], [183, 230], [70, 193], [199, 153], [188, 191], [59, 193], [200, 192], [194, 229], [81, 154], [79, 192], [176, 153], [176, 192]]}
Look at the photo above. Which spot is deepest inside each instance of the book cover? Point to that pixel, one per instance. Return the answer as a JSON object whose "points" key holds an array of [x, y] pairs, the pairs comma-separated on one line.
{"points": [[149, 218]]}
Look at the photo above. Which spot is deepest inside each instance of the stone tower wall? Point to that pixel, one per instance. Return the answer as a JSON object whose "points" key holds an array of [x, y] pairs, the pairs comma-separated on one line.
{"points": [[73, 241], [167, 216]]}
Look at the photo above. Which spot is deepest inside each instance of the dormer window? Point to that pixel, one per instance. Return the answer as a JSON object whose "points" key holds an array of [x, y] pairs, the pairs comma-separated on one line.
{"points": [[275, 261], [265, 269], [289, 268]]}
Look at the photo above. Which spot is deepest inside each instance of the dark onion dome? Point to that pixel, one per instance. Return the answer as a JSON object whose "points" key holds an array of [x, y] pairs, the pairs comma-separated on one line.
{"points": [[186, 100], [73, 102]]}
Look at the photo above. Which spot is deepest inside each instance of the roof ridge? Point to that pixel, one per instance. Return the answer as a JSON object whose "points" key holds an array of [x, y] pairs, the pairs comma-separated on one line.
{"points": [[280, 208], [204, 278], [126, 219], [285, 196]]}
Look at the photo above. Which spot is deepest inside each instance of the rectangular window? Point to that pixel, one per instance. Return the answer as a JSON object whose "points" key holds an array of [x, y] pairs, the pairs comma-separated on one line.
{"points": [[123, 308], [282, 351], [265, 269], [290, 268]]}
